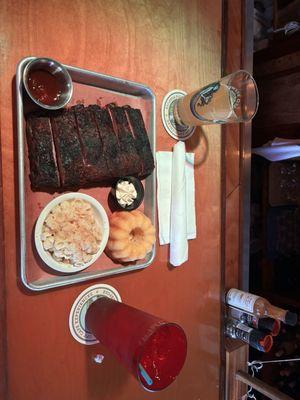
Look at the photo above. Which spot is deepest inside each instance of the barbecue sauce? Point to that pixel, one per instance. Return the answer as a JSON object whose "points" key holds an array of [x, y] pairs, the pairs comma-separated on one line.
{"points": [[45, 87]]}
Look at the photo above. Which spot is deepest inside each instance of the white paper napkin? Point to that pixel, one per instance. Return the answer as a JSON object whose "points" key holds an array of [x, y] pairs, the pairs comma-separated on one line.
{"points": [[178, 227], [176, 201], [279, 149]]}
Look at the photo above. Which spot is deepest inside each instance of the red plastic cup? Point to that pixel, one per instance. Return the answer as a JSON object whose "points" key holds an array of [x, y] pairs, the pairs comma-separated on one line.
{"points": [[153, 350]]}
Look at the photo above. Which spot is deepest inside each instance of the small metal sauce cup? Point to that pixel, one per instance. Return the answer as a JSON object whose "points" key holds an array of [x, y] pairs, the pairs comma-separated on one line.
{"points": [[56, 69]]}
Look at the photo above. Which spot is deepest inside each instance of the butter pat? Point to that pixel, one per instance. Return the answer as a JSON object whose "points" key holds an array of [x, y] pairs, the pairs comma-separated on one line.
{"points": [[125, 193]]}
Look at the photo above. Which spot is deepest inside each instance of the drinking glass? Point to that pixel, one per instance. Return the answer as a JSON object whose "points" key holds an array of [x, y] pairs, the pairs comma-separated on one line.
{"points": [[232, 99], [152, 349]]}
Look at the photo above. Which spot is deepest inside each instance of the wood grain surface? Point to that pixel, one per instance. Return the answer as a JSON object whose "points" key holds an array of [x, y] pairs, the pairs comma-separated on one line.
{"points": [[165, 45], [3, 352], [237, 144], [236, 355]]}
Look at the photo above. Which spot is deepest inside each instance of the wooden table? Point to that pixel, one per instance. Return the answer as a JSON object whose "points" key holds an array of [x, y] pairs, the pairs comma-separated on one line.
{"points": [[165, 45]]}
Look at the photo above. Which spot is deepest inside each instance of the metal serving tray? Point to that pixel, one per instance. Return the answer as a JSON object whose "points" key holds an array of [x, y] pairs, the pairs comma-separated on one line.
{"points": [[89, 88]]}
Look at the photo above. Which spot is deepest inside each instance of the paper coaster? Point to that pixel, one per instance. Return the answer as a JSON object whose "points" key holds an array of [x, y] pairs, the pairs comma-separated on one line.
{"points": [[78, 311], [178, 132]]}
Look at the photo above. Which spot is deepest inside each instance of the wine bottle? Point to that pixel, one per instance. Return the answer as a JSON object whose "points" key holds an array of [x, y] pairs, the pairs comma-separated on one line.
{"points": [[255, 338], [259, 306], [265, 324]]}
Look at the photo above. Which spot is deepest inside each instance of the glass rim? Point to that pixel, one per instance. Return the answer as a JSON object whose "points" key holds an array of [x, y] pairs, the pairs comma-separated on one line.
{"points": [[250, 76]]}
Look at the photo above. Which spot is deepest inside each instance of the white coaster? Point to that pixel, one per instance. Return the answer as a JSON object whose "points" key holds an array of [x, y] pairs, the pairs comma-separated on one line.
{"points": [[78, 311], [178, 132]]}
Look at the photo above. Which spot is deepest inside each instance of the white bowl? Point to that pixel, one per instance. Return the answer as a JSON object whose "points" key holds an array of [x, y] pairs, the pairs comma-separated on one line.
{"points": [[46, 256]]}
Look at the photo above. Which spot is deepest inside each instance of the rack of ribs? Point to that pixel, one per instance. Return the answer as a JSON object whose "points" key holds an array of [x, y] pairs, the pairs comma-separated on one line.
{"points": [[42, 157], [95, 165], [111, 148], [86, 146], [142, 144], [68, 150], [132, 163]]}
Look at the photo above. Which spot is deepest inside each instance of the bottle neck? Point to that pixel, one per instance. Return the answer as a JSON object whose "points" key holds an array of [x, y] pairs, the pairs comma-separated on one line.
{"points": [[275, 312]]}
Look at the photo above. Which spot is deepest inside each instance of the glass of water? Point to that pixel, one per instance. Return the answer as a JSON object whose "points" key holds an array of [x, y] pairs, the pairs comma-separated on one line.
{"points": [[233, 98]]}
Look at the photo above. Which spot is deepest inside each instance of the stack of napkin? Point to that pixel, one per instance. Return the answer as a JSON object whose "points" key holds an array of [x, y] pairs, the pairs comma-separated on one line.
{"points": [[176, 201], [279, 149]]}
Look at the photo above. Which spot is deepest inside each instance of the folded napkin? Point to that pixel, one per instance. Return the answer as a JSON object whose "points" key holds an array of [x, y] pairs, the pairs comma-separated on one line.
{"points": [[176, 201], [279, 149]]}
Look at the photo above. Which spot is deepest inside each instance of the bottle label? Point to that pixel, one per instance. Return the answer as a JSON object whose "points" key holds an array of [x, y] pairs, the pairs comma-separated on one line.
{"points": [[249, 319], [252, 320], [242, 300], [243, 332], [243, 327], [244, 317], [236, 313]]}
